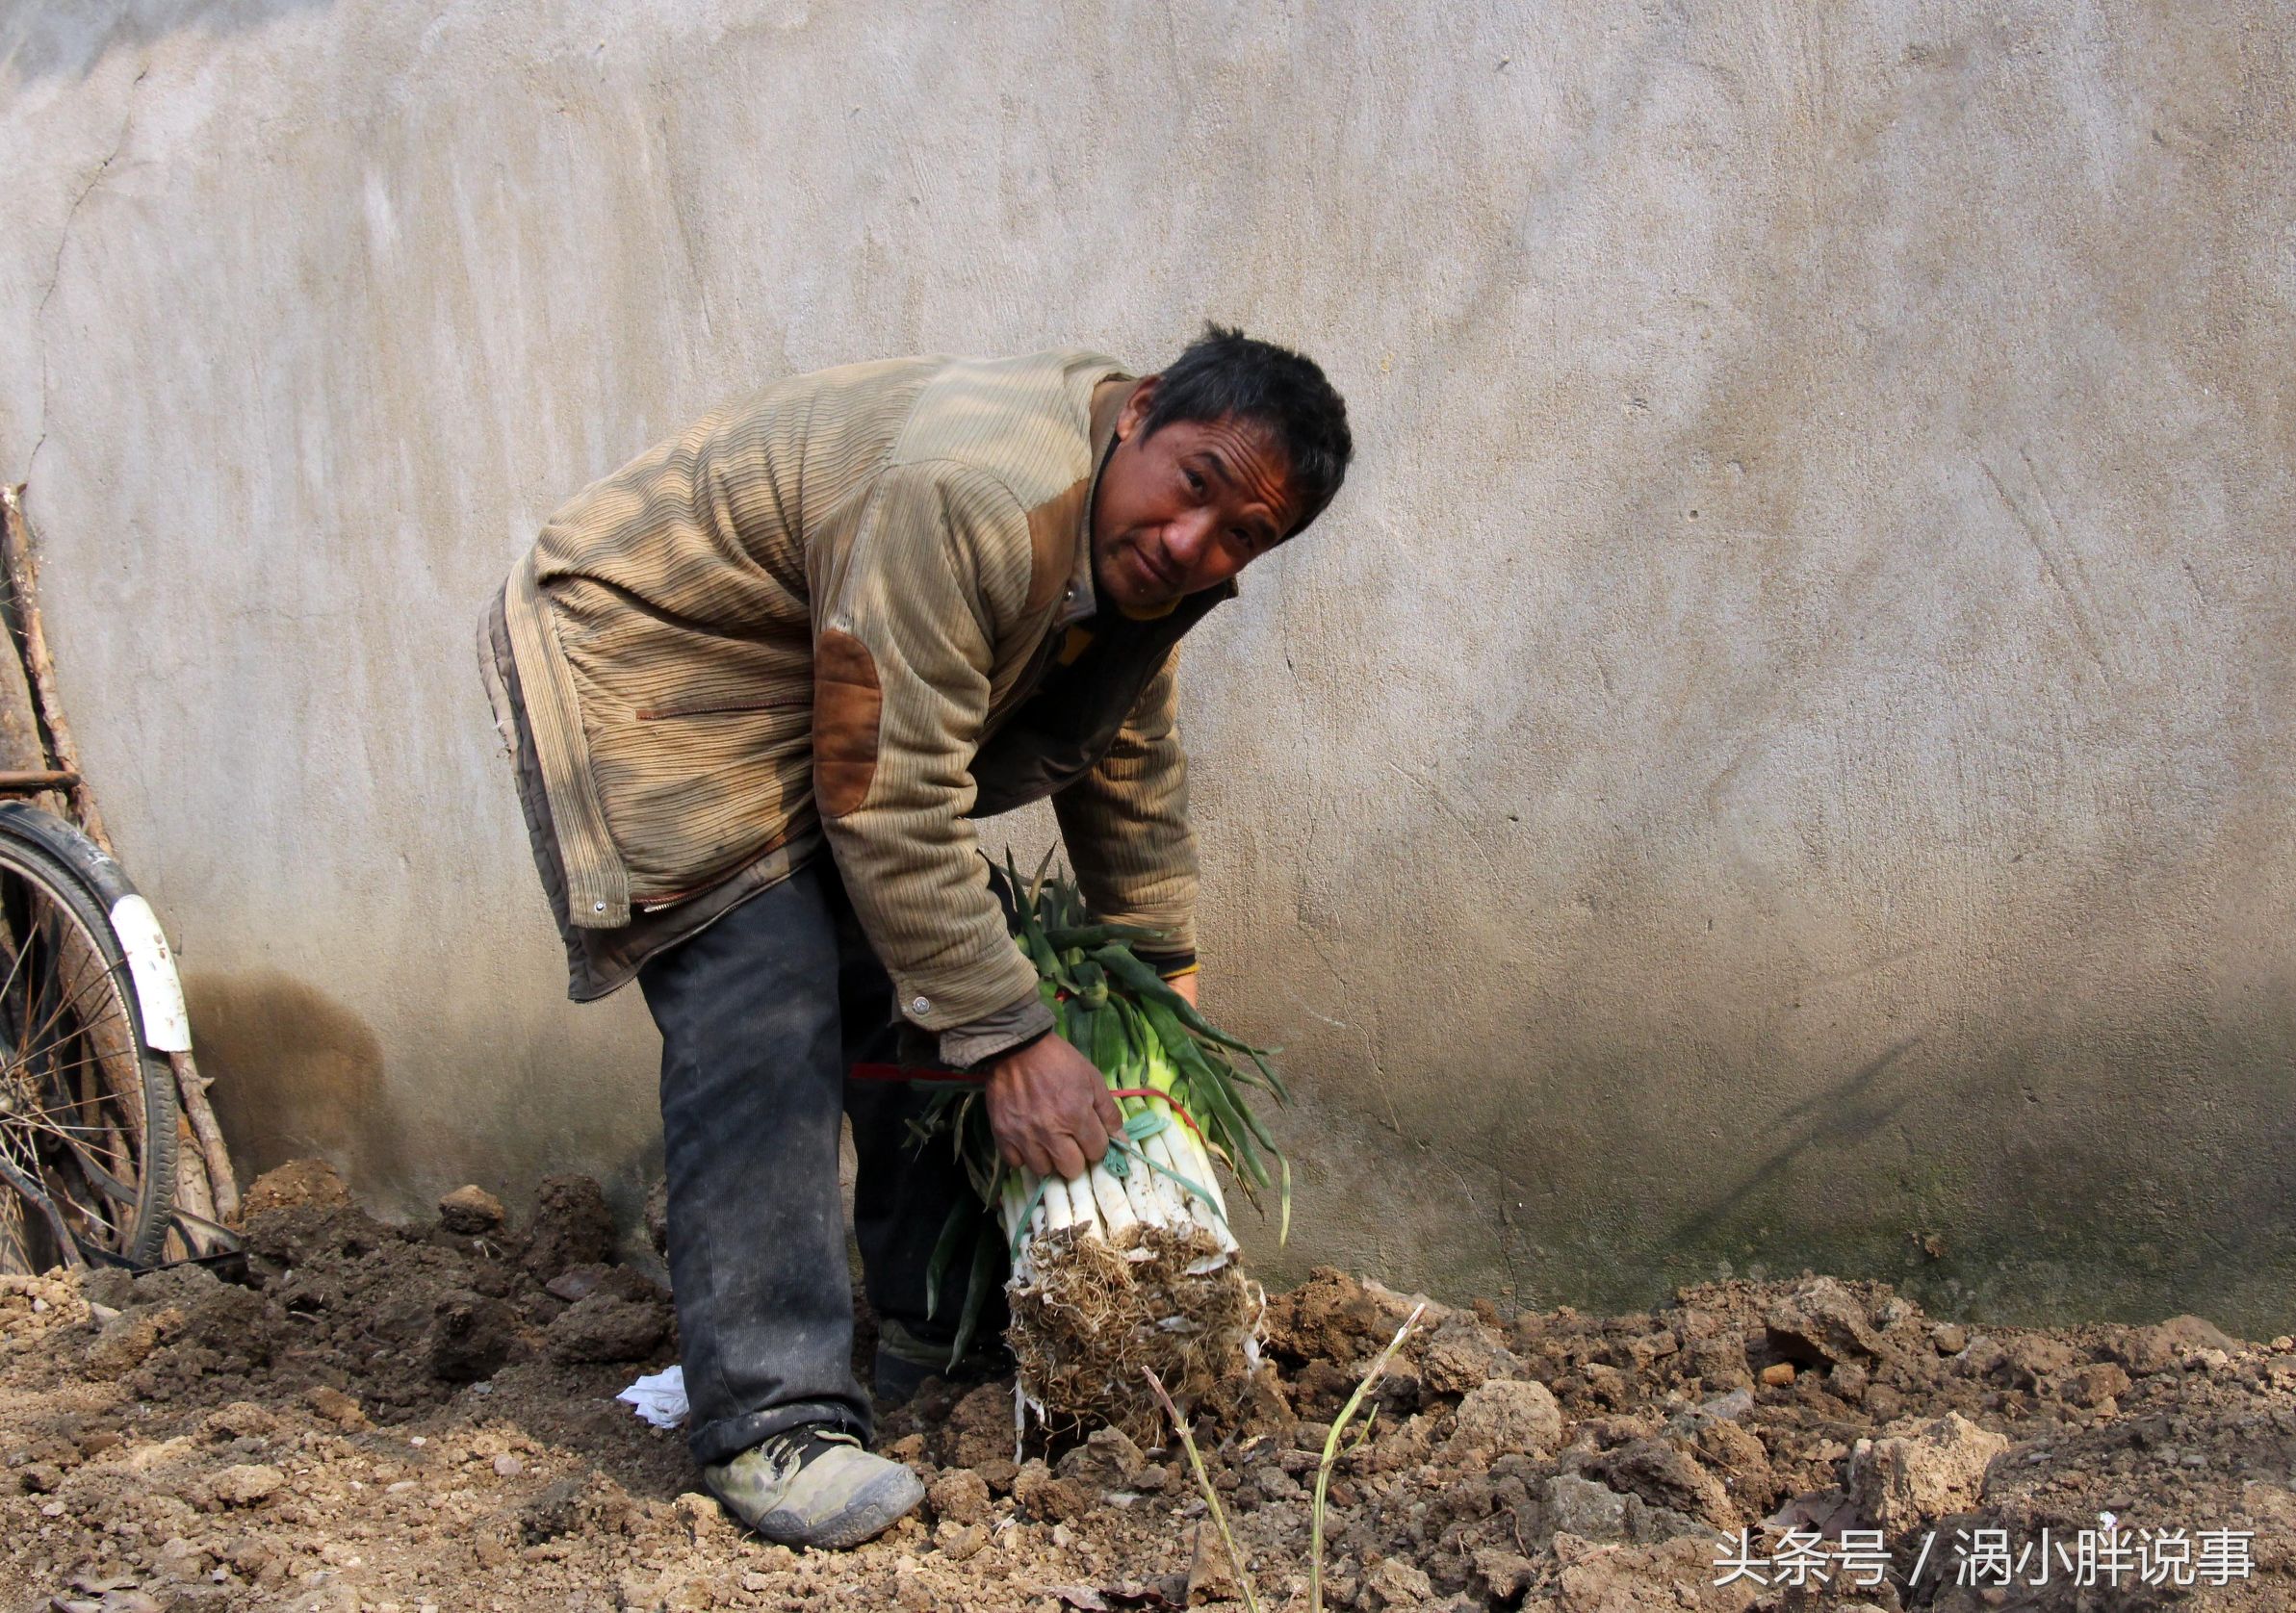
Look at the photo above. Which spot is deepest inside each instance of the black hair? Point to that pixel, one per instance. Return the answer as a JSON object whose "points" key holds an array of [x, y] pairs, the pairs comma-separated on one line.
{"points": [[1224, 372]]}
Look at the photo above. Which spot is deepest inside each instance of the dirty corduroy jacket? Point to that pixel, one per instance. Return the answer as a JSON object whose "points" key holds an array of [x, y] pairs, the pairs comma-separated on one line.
{"points": [[816, 614]]}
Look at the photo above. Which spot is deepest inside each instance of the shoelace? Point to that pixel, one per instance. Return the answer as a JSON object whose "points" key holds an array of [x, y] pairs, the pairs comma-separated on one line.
{"points": [[790, 1451]]}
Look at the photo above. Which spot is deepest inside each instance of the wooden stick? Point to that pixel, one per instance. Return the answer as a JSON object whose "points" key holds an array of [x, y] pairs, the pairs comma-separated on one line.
{"points": [[12, 781], [16, 537], [191, 1087], [190, 1190]]}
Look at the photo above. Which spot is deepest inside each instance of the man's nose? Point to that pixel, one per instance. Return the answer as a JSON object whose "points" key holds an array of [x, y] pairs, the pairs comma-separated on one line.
{"points": [[1186, 541]]}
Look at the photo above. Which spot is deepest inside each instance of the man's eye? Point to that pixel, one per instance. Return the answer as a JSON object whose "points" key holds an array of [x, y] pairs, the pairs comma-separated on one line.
{"points": [[1194, 482]]}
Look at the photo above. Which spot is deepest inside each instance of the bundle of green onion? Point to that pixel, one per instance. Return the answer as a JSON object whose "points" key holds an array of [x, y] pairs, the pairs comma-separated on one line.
{"points": [[1132, 1264]]}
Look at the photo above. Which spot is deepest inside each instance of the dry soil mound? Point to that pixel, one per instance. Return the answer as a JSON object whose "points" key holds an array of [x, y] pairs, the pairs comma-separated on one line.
{"points": [[409, 1418]]}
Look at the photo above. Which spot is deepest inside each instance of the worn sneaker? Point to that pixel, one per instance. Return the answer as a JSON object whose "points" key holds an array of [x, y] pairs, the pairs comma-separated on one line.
{"points": [[813, 1485]]}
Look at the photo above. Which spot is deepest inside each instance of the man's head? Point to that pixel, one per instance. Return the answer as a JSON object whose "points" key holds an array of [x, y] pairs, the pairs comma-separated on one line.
{"points": [[1231, 449]]}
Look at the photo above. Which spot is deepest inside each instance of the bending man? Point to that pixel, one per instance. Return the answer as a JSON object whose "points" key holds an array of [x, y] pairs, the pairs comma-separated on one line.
{"points": [[758, 683]]}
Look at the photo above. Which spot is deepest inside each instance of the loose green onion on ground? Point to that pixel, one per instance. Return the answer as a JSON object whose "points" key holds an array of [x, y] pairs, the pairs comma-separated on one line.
{"points": [[1133, 1263]]}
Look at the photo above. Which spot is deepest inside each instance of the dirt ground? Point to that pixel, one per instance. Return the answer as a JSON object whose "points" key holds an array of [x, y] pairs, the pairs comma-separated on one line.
{"points": [[423, 1418]]}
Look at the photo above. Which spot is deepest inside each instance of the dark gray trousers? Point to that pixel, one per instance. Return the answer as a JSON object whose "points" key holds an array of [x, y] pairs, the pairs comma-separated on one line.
{"points": [[761, 1015]]}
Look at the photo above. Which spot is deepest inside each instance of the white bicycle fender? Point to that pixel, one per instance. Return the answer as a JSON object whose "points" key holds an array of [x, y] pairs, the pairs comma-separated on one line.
{"points": [[158, 994]]}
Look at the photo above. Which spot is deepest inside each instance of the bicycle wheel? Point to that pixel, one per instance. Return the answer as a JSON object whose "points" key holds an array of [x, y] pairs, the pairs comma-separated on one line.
{"points": [[88, 1108]]}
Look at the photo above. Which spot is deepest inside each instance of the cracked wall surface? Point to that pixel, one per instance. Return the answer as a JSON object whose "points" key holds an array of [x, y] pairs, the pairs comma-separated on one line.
{"points": [[1781, 756]]}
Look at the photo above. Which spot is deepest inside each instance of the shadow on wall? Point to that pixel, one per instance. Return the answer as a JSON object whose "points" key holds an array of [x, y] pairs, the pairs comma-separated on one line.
{"points": [[295, 1074], [2054, 1153], [1843, 1117], [42, 41], [2079, 1217]]}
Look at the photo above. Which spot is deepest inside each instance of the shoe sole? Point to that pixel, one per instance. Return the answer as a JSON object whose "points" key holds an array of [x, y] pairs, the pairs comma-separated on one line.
{"points": [[864, 1522]]}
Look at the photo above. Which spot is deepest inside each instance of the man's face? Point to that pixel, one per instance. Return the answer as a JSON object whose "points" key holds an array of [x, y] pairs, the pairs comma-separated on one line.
{"points": [[1185, 509]]}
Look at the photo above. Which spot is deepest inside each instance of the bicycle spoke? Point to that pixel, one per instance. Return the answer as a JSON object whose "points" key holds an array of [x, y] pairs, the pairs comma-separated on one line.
{"points": [[39, 1123], [93, 1111], [22, 1167], [82, 1211], [99, 1178], [97, 1150], [75, 1152], [101, 977], [17, 961], [47, 932], [39, 1118], [59, 1200], [49, 1047], [70, 1104], [17, 1255], [42, 1058], [102, 1178], [45, 1120], [29, 1188], [94, 1061], [33, 1055]]}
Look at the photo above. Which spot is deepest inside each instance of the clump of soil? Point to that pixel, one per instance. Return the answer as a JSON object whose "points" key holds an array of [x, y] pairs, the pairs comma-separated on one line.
{"points": [[421, 1418], [1091, 1319]]}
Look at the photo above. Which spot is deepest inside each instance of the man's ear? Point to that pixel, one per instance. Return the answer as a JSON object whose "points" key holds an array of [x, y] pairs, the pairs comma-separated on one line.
{"points": [[1135, 409]]}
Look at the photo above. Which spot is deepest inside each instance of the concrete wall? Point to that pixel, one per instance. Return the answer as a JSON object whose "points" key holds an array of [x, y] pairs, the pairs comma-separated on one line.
{"points": [[1782, 755]]}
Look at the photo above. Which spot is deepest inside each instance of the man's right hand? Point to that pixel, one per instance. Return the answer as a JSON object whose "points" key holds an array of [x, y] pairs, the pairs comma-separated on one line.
{"points": [[1050, 1110]]}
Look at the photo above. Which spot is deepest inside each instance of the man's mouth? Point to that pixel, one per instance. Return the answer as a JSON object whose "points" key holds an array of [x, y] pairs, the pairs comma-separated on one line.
{"points": [[1161, 574]]}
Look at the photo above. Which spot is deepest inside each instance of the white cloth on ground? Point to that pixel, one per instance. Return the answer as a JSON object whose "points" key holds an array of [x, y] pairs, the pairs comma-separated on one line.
{"points": [[660, 1397]]}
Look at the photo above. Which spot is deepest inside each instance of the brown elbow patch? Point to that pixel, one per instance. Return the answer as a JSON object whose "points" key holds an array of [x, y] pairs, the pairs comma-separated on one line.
{"points": [[848, 703]]}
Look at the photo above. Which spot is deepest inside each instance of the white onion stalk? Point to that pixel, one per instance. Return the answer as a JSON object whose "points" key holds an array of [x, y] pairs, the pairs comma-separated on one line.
{"points": [[1162, 1173], [1136, 1247], [1131, 1262]]}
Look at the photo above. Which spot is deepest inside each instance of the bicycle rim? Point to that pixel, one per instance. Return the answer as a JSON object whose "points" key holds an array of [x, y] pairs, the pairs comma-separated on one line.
{"points": [[86, 1112]]}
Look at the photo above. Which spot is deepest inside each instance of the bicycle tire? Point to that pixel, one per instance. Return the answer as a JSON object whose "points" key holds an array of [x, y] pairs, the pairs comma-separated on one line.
{"points": [[99, 1186]]}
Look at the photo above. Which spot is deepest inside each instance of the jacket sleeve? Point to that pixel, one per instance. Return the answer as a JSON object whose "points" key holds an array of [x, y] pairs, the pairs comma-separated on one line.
{"points": [[937, 570], [1125, 823]]}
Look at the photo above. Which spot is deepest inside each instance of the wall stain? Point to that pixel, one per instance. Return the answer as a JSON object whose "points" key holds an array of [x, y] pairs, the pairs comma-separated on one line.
{"points": [[295, 1074], [57, 42]]}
